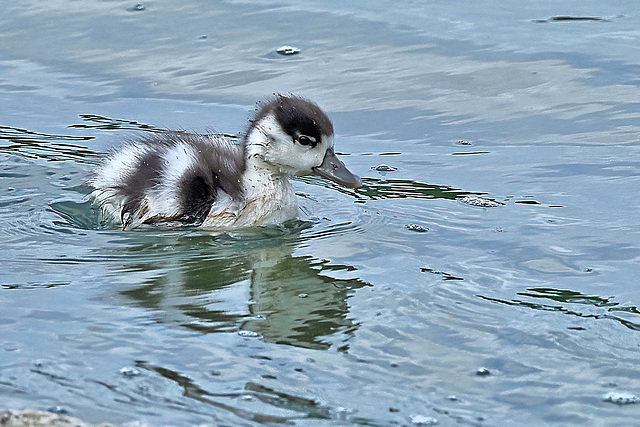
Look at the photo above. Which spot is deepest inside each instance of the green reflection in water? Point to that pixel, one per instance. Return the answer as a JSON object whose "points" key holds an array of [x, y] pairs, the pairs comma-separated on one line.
{"points": [[570, 301], [563, 295], [83, 215], [225, 284], [378, 189], [247, 279]]}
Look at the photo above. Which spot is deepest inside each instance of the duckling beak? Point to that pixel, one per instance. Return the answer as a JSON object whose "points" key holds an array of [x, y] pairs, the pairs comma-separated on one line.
{"points": [[332, 168]]}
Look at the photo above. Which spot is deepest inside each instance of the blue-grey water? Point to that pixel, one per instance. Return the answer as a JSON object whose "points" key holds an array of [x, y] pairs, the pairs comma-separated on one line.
{"points": [[489, 277]]}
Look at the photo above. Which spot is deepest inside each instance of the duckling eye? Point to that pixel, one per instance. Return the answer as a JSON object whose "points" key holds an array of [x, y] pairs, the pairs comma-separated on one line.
{"points": [[307, 140]]}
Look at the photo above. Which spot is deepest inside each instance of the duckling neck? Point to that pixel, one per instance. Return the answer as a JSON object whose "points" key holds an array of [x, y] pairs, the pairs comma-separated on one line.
{"points": [[269, 196]]}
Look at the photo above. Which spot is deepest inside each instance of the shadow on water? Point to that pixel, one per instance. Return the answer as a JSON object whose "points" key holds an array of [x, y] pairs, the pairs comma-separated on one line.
{"points": [[569, 302], [248, 282]]}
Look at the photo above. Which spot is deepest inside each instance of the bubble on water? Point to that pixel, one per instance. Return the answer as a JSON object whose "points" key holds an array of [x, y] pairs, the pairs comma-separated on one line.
{"points": [[416, 227], [384, 168], [129, 372], [60, 410], [480, 202], [136, 8], [341, 413], [248, 334], [9, 347], [287, 50], [423, 420], [483, 372], [620, 398]]}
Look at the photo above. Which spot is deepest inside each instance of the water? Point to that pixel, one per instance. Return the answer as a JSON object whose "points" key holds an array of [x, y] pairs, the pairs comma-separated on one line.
{"points": [[486, 277]]}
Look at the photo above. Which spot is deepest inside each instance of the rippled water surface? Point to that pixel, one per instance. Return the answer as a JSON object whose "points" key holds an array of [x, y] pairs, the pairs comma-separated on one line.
{"points": [[485, 274]]}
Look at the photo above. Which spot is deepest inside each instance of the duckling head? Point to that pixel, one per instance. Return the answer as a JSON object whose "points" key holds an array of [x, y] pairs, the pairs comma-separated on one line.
{"points": [[294, 137]]}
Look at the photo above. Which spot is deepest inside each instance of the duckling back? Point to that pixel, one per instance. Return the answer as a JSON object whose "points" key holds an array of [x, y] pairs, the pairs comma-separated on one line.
{"points": [[169, 176]]}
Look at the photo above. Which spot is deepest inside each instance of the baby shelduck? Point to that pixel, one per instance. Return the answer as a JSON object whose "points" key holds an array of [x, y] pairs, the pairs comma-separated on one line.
{"points": [[210, 181]]}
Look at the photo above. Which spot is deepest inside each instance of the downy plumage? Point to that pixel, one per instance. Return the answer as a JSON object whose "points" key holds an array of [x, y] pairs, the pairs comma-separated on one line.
{"points": [[211, 181]]}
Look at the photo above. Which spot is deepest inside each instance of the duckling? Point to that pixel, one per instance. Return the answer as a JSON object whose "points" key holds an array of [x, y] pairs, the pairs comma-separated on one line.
{"points": [[214, 182]]}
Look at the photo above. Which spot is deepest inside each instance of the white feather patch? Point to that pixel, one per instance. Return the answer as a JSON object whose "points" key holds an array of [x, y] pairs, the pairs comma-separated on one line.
{"points": [[119, 165], [164, 199]]}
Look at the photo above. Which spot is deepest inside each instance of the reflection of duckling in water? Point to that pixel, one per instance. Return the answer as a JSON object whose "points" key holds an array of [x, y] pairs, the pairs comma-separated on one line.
{"points": [[252, 283], [207, 180]]}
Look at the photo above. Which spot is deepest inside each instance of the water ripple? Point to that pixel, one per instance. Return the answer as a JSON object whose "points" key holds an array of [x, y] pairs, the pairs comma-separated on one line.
{"points": [[573, 303], [52, 147], [95, 121], [378, 189]]}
